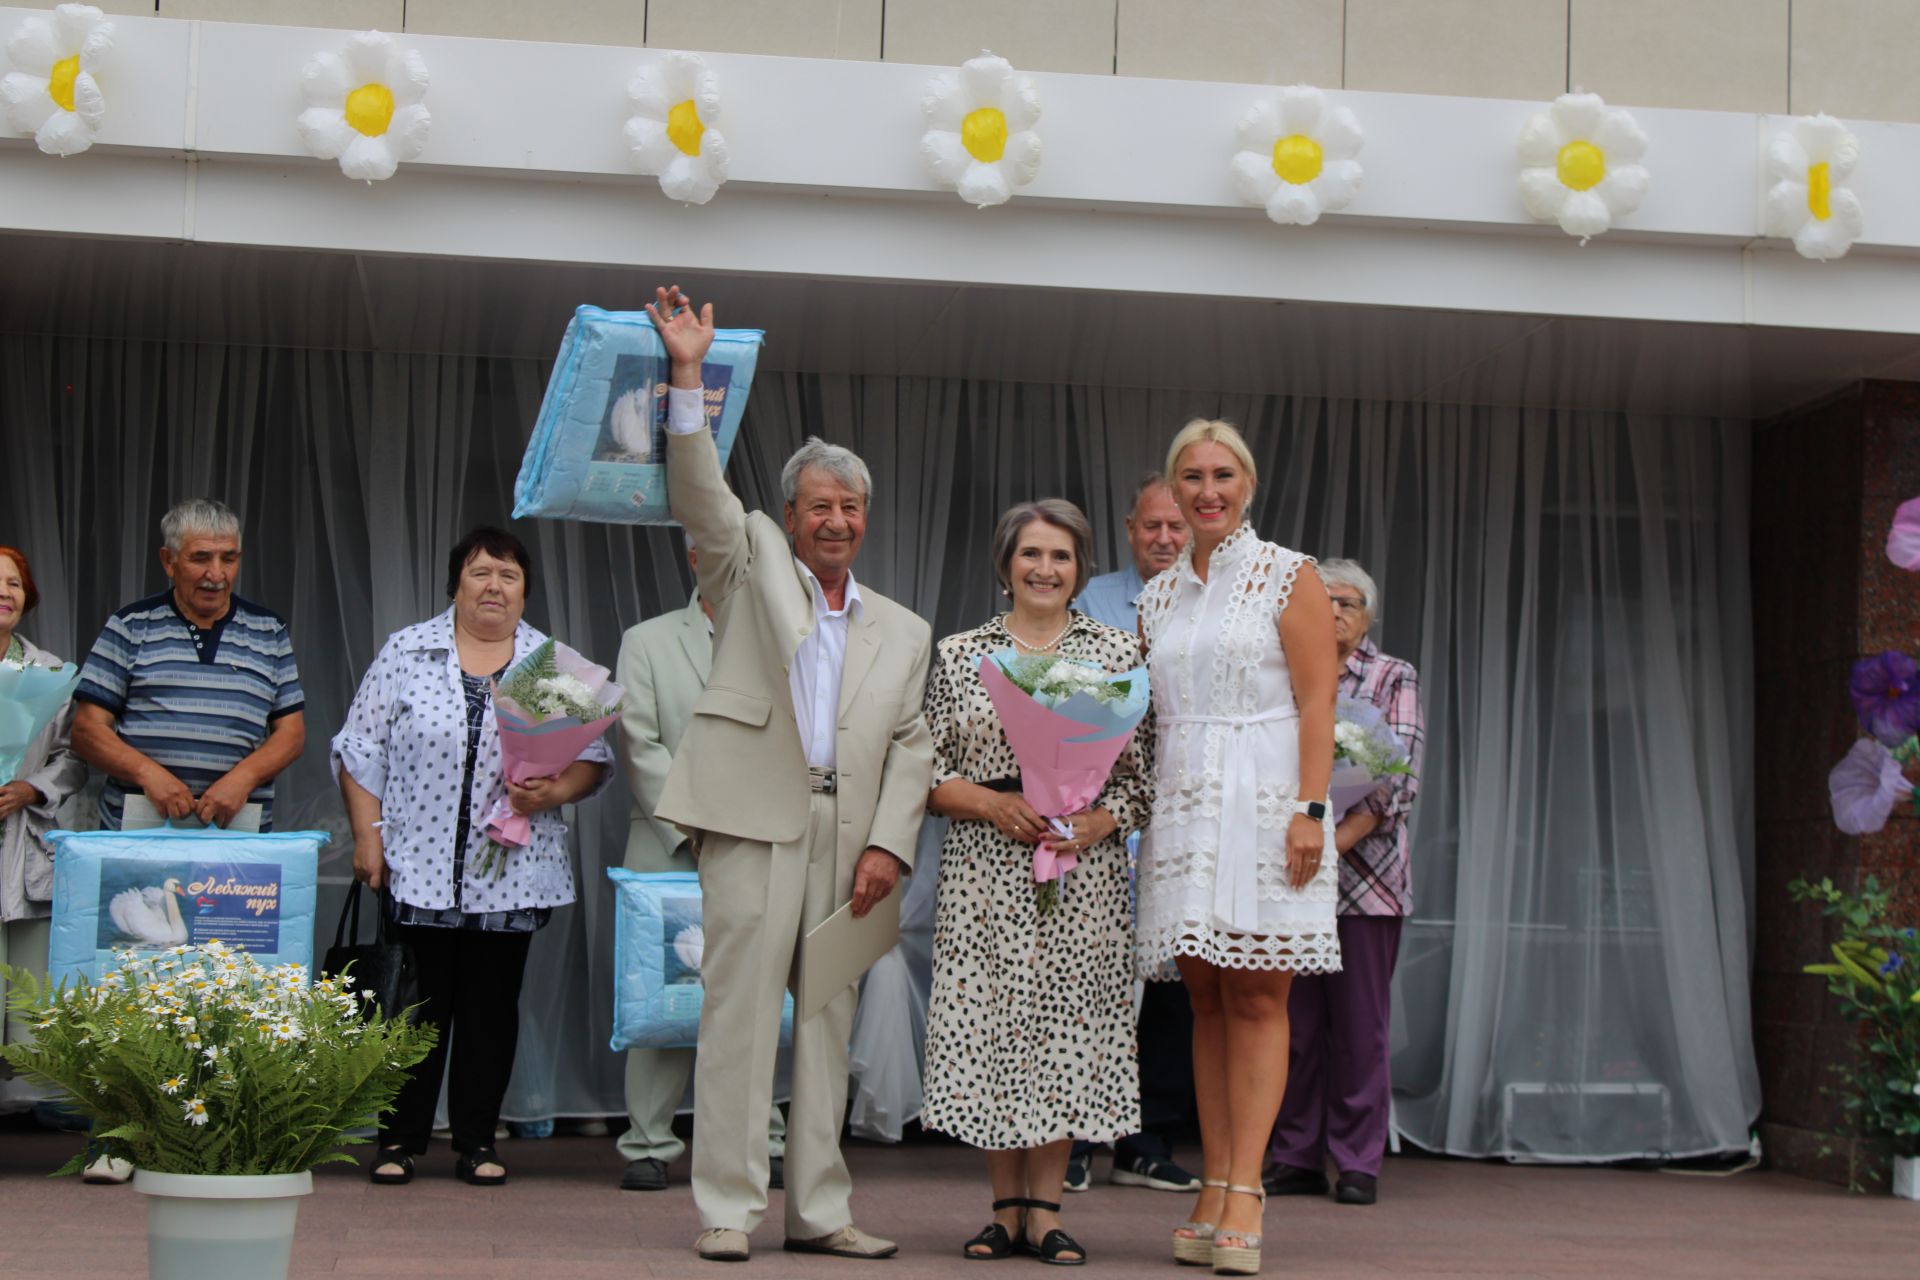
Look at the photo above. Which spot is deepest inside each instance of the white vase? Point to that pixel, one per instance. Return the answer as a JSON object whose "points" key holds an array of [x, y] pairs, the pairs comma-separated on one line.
{"points": [[220, 1226], [1906, 1177]]}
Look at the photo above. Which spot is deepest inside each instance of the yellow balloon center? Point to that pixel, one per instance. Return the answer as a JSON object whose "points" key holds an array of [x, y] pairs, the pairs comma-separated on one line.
{"points": [[370, 109], [984, 134], [1297, 159], [1582, 165], [684, 128], [60, 81], [1820, 191]]}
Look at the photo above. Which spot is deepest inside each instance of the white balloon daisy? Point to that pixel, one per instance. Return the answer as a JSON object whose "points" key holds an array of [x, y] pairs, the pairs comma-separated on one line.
{"points": [[1581, 164], [365, 106], [981, 142], [54, 92], [1296, 156], [676, 104], [1808, 164]]}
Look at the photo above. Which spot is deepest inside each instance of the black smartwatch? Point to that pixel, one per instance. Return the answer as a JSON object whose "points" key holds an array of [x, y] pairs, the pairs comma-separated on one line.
{"points": [[1315, 809]]}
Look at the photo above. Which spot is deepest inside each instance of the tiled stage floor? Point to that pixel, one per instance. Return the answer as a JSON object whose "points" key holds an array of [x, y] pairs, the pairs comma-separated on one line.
{"points": [[562, 1216]]}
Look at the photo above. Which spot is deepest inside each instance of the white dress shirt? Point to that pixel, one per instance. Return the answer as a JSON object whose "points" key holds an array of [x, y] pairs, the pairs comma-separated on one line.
{"points": [[814, 677]]}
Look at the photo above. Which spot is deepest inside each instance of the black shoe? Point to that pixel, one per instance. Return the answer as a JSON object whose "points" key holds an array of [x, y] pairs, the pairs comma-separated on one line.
{"points": [[467, 1168], [1145, 1171], [1357, 1188], [1079, 1176], [1287, 1180], [776, 1173], [644, 1174]]}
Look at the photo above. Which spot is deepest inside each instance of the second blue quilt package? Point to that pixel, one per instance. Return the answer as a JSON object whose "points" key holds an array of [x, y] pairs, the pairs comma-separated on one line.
{"points": [[598, 450]]}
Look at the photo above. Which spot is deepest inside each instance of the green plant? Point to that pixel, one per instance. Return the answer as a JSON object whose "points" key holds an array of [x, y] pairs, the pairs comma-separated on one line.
{"points": [[1875, 974], [199, 1059]]}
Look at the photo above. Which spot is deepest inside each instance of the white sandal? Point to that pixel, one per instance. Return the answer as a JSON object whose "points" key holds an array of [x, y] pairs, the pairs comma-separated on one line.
{"points": [[1242, 1259], [1193, 1241]]}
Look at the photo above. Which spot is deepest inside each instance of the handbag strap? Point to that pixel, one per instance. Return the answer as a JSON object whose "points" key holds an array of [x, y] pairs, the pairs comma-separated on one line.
{"points": [[349, 926]]}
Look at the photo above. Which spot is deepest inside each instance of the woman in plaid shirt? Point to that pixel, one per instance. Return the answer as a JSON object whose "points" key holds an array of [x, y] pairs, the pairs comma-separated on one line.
{"points": [[1338, 1090]]}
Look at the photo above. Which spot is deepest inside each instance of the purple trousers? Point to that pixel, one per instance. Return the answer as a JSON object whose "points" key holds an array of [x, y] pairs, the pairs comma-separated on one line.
{"points": [[1338, 1087]]}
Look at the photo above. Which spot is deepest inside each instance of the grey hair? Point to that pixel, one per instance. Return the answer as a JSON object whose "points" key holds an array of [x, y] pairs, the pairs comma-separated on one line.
{"points": [[1348, 573], [841, 463], [1057, 512], [198, 515], [1148, 483]]}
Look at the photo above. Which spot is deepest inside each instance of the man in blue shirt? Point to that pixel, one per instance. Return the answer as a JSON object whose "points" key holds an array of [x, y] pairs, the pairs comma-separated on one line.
{"points": [[191, 697], [1155, 534]]}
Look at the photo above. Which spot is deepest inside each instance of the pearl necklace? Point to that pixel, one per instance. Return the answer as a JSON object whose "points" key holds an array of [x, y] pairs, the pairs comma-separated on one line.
{"points": [[1006, 620]]}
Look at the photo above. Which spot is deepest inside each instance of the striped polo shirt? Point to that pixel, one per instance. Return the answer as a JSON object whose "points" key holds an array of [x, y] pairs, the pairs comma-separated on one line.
{"points": [[194, 701]]}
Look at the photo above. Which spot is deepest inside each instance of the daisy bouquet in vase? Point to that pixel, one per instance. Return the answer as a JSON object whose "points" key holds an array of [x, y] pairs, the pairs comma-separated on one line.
{"points": [[30, 697], [1067, 723], [552, 703], [1366, 752]]}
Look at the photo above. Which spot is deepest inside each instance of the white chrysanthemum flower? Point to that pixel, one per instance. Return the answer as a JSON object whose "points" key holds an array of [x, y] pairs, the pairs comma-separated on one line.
{"points": [[1810, 202], [1581, 164], [1296, 156], [981, 140], [365, 106], [567, 687], [676, 106], [53, 92], [173, 1086], [195, 1110]]}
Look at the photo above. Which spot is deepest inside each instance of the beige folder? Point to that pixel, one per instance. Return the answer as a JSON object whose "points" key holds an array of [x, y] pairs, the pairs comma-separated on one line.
{"points": [[838, 950]]}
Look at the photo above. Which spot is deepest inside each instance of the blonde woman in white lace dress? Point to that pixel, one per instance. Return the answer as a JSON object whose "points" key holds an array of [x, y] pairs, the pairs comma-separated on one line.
{"points": [[1238, 877]]}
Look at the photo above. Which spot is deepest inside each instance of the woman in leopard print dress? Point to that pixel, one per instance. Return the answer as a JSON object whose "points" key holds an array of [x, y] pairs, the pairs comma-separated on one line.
{"points": [[1030, 1037]]}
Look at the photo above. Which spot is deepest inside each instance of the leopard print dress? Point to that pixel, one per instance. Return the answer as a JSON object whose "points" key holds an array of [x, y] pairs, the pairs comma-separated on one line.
{"points": [[1030, 1032]]}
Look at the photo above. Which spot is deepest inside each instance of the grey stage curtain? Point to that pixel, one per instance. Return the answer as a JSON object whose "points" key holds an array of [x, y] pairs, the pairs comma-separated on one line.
{"points": [[1572, 586]]}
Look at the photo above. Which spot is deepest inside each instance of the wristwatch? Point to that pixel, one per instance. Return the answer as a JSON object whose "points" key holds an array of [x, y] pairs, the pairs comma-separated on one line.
{"points": [[1315, 809]]}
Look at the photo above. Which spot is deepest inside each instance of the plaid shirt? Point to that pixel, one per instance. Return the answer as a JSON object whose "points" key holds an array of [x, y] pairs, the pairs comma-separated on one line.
{"points": [[1374, 878]]}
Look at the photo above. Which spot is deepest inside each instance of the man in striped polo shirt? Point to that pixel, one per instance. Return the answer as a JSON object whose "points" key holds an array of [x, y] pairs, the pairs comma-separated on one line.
{"points": [[192, 697]]}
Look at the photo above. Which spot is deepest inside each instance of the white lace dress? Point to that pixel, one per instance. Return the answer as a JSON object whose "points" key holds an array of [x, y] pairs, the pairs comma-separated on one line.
{"points": [[1213, 863]]}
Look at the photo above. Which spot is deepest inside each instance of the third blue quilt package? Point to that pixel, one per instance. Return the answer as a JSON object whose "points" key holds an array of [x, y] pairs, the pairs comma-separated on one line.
{"points": [[598, 450], [163, 887], [657, 949]]}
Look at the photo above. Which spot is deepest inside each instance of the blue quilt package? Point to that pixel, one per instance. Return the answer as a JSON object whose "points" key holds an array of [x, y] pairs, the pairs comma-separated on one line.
{"points": [[598, 450], [154, 889], [657, 949]]}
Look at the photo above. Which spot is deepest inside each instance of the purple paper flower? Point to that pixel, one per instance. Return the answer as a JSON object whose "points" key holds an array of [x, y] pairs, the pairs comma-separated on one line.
{"points": [[1865, 786], [1903, 540], [1886, 696]]}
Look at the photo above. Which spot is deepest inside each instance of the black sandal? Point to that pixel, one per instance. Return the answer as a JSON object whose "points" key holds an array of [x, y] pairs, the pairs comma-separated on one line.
{"points": [[391, 1155], [998, 1240], [1055, 1242], [468, 1167]]}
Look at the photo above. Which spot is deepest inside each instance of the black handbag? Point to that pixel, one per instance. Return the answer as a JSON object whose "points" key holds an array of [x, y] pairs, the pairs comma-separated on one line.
{"points": [[383, 968]]}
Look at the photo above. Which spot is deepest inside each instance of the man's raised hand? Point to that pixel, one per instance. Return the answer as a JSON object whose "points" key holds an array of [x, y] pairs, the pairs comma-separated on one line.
{"points": [[686, 335]]}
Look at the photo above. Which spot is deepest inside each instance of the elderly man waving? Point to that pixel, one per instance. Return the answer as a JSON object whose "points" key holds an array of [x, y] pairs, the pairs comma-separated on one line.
{"points": [[804, 776]]}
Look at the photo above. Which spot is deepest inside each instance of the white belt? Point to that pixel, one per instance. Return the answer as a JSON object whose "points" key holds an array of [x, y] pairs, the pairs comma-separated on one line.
{"points": [[1236, 874]]}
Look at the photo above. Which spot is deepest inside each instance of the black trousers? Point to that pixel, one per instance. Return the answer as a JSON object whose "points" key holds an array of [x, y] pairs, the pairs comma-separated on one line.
{"points": [[1166, 1070], [1166, 1075], [470, 986]]}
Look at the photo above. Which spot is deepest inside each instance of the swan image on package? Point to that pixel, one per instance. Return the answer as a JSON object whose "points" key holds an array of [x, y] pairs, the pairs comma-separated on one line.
{"points": [[150, 915]]}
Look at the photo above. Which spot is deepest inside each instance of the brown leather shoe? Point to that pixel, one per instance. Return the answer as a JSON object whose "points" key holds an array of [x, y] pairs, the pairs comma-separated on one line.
{"points": [[722, 1244], [848, 1242]]}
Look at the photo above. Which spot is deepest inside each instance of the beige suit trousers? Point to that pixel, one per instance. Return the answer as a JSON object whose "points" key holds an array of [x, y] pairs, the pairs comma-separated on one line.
{"points": [[758, 901]]}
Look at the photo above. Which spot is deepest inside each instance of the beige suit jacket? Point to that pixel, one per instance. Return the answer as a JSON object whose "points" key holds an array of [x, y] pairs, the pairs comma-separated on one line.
{"points": [[741, 769], [663, 667]]}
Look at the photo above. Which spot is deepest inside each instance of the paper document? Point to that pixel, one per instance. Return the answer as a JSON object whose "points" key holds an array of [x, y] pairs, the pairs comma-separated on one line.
{"points": [[138, 814], [839, 949]]}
